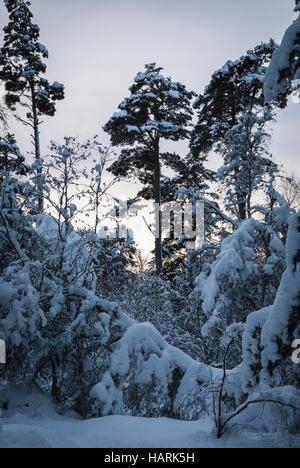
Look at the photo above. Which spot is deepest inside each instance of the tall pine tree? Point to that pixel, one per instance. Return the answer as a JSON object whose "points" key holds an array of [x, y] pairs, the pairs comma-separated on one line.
{"points": [[157, 109], [233, 120], [22, 69]]}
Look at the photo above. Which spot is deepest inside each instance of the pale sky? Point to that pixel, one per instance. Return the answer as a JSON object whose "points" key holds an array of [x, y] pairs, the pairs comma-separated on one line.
{"points": [[97, 46]]}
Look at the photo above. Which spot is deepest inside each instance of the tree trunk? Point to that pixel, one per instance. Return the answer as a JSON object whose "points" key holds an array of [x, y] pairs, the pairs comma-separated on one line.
{"points": [[157, 192], [37, 147], [55, 386], [241, 201], [242, 208]]}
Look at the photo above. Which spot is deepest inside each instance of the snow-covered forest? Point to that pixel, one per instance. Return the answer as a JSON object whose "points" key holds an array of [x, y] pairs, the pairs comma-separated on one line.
{"points": [[192, 344]]}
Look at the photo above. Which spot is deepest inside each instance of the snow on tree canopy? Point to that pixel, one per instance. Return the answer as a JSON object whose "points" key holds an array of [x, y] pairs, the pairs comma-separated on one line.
{"points": [[11, 160], [233, 89], [285, 65], [232, 268], [21, 62], [251, 365], [156, 104]]}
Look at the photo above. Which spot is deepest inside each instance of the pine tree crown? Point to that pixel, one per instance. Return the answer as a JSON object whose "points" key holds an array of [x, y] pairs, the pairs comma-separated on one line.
{"points": [[236, 87], [21, 60], [156, 108]]}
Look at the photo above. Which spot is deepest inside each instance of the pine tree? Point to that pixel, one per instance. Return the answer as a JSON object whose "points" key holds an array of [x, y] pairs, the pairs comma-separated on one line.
{"points": [[233, 120], [157, 109], [235, 87], [190, 186], [247, 166], [22, 69]]}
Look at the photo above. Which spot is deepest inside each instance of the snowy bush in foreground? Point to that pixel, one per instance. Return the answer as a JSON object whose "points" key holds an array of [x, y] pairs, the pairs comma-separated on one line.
{"points": [[233, 269], [147, 377], [283, 323], [244, 276], [51, 320], [233, 263], [275, 411], [271, 331]]}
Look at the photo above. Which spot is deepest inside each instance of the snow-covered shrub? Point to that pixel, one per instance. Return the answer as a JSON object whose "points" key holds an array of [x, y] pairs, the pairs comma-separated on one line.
{"points": [[244, 276], [52, 322], [276, 410], [57, 331], [270, 332], [147, 298], [252, 348], [148, 377], [283, 323], [228, 287]]}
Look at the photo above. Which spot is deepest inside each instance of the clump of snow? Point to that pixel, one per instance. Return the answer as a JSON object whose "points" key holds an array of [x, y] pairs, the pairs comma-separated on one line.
{"points": [[283, 69], [251, 365], [234, 265]]}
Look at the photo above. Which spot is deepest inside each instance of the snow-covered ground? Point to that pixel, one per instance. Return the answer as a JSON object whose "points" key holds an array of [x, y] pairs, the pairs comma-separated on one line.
{"points": [[32, 422]]}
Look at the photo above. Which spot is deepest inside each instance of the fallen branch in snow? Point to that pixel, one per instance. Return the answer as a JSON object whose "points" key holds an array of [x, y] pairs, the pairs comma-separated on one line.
{"points": [[221, 421], [246, 405]]}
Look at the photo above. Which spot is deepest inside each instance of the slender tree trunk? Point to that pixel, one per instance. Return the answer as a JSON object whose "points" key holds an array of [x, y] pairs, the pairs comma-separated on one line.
{"points": [[97, 204], [157, 192], [55, 386], [249, 206], [242, 208], [241, 201], [37, 147]]}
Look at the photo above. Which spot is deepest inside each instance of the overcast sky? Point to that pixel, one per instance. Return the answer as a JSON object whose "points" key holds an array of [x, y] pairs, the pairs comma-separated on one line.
{"points": [[97, 47]]}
